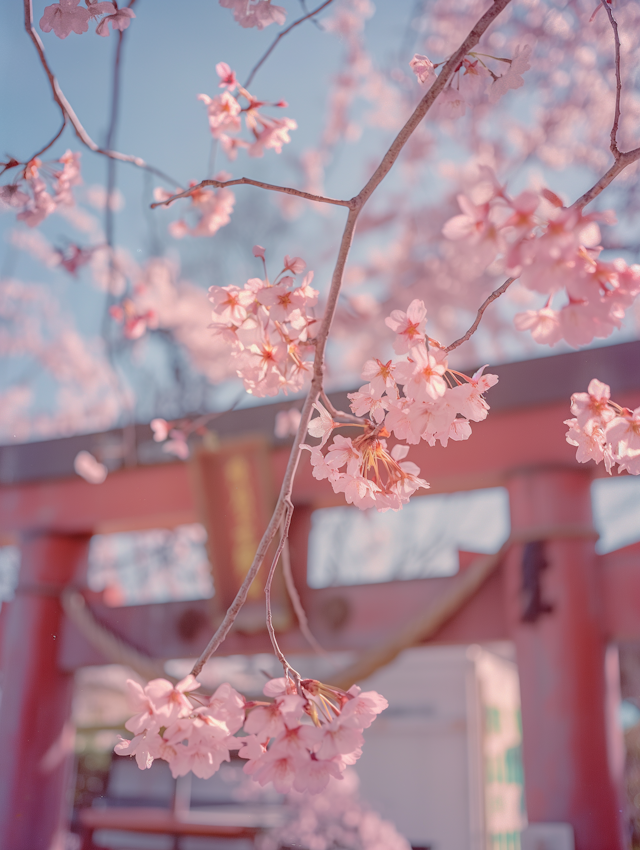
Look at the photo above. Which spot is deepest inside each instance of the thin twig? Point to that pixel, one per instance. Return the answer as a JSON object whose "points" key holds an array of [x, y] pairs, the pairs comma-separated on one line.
{"points": [[357, 420], [267, 594], [355, 206], [67, 110], [294, 596], [616, 116], [474, 327], [111, 132], [275, 42], [53, 141], [221, 184]]}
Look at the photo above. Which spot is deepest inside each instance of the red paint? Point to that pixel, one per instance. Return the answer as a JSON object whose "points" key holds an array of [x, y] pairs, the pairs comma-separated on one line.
{"points": [[36, 698], [561, 659]]}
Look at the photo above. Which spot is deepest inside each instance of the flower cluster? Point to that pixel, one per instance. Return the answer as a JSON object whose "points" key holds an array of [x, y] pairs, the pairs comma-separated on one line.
{"points": [[269, 327], [213, 209], [255, 13], [435, 404], [68, 16], [134, 321], [36, 197], [306, 735], [602, 430], [336, 818], [225, 113], [554, 250], [473, 82]]}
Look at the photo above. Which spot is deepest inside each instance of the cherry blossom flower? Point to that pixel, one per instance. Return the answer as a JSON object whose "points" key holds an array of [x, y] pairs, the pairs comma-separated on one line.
{"points": [[223, 111], [423, 68], [213, 209], [450, 104], [64, 18], [544, 325], [422, 375], [269, 327], [228, 79], [120, 20], [135, 322], [623, 433], [322, 426], [160, 430], [594, 405], [408, 326], [177, 445], [603, 430], [512, 79], [368, 401], [87, 467], [255, 13]]}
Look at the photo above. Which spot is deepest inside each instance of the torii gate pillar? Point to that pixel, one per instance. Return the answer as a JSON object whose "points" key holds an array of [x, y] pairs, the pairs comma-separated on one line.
{"points": [[561, 658], [36, 699]]}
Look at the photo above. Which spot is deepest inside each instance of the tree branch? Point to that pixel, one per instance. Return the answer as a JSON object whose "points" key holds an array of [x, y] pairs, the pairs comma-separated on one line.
{"points": [[623, 160], [616, 116], [474, 327], [67, 110], [221, 184], [426, 103], [355, 207], [274, 44]]}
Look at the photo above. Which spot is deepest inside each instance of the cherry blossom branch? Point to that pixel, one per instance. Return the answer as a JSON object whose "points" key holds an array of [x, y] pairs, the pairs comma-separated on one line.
{"points": [[284, 502], [623, 160], [221, 184], [67, 110], [616, 116], [276, 41], [474, 327], [284, 498]]}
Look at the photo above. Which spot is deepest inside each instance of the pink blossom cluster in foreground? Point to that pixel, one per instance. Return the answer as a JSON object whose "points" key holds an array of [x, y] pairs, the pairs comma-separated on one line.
{"points": [[68, 16], [602, 430], [225, 114], [553, 250], [415, 399], [474, 82], [301, 739], [269, 327], [38, 194]]}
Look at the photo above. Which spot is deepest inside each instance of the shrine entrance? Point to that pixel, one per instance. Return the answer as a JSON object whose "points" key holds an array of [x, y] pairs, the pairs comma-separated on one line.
{"points": [[546, 590]]}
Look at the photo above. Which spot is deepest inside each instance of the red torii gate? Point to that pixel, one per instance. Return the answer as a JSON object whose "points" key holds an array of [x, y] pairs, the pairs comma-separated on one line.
{"points": [[561, 654]]}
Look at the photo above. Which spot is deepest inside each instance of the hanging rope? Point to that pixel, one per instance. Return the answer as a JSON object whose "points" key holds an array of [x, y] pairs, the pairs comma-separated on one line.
{"points": [[461, 590], [114, 649]]}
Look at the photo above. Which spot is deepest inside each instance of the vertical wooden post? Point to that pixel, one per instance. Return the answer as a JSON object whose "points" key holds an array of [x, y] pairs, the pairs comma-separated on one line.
{"points": [[561, 658], [35, 714]]}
